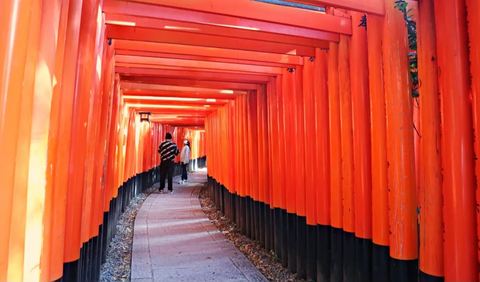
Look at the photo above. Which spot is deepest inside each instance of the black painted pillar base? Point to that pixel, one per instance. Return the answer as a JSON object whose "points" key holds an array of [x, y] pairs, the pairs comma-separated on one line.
{"points": [[403, 270], [277, 232], [311, 255], [424, 277], [261, 222], [222, 198], [336, 268], [380, 263], [267, 226], [284, 243], [324, 245], [238, 213], [258, 218], [301, 247], [363, 259], [248, 217], [243, 224], [217, 195], [71, 271], [272, 227], [292, 241], [233, 207], [226, 213], [348, 256], [214, 192], [253, 232]]}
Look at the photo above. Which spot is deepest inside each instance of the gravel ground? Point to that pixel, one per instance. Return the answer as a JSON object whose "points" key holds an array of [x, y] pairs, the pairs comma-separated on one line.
{"points": [[119, 253], [264, 260]]}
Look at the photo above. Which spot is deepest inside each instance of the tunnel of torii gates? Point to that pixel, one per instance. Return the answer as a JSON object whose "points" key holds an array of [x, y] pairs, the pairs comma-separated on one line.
{"points": [[315, 144]]}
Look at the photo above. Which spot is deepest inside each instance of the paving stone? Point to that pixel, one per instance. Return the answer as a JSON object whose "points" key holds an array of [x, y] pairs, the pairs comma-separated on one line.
{"points": [[207, 274], [182, 244]]}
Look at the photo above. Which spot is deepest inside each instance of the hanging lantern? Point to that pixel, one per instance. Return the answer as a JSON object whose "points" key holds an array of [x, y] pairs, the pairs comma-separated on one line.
{"points": [[144, 116]]}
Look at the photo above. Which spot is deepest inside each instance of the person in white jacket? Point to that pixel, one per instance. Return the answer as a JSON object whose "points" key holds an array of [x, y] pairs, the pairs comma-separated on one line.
{"points": [[184, 160]]}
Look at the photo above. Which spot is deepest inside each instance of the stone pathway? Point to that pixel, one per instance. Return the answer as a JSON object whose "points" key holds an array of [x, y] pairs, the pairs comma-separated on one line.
{"points": [[175, 241]]}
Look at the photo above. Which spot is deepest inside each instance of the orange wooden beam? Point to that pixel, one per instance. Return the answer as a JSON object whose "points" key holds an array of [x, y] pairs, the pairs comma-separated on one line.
{"points": [[176, 37], [182, 124], [201, 58], [365, 6], [181, 68], [174, 111], [176, 94], [160, 106], [152, 100], [262, 11], [172, 116], [144, 105], [180, 89], [207, 52], [190, 82], [197, 64], [243, 14], [197, 28], [210, 76], [177, 119]]}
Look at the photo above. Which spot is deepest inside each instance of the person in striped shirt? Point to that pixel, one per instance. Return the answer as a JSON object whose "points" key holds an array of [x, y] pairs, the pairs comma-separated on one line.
{"points": [[168, 150]]}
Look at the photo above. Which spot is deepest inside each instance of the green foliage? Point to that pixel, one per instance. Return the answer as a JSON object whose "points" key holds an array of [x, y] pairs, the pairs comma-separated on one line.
{"points": [[412, 43]]}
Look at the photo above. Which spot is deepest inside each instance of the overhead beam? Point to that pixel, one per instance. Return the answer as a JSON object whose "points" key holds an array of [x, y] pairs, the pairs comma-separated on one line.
{"points": [[207, 52], [179, 121], [188, 74], [149, 66], [156, 103], [197, 64], [289, 21], [190, 82], [148, 99], [182, 95], [177, 37], [173, 111], [198, 126], [155, 23], [201, 58], [376, 7], [169, 116], [180, 89]]}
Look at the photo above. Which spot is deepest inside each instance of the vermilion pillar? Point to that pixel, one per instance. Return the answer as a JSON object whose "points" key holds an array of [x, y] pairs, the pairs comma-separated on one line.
{"points": [[380, 210], [75, 194], [400, 150], [460, 238], [15, 20], [335, 166], [473, 13], [322, 165], [54, 18], [430, 171], [106, 87], [311, 167], [23, 217], [299, 93], [347, 158], [362, 174], [112, 143]]}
